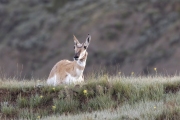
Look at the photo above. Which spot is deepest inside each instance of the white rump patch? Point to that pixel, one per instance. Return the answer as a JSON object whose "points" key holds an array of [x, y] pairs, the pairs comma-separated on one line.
{"points": [[52, 81]]}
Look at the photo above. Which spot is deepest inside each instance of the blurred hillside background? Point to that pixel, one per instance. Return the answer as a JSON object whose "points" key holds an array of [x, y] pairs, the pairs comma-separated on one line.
{"points": [[131, 35]]}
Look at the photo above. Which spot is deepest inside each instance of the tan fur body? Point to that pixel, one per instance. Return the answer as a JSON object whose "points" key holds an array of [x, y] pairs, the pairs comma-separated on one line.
{"points": [[63, 67]]}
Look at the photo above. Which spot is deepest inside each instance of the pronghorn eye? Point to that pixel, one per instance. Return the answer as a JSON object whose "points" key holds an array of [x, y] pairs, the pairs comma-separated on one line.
{"points": [[74, 47], [85, 47]]}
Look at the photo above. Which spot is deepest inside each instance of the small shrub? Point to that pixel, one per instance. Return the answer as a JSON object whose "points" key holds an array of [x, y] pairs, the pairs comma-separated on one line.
{"points": [[28, 114], [46, 100], [126, 14], [99, 103], [56, 4], [8, 111], [172, 87], [169, 114], [119, 26], [111, 35], [51, 89], [155, 91], [65, 105], [122, 92], [22, 102], [178, 10], [35, 101], [7, 97]]}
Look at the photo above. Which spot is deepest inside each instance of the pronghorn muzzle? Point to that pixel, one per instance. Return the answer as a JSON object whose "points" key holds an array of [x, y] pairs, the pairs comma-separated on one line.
{"points": [[76, 57]]}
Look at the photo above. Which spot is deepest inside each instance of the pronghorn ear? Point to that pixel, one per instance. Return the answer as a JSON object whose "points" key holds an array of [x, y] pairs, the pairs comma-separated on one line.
{"points": [[75, 40], [88, 39]]}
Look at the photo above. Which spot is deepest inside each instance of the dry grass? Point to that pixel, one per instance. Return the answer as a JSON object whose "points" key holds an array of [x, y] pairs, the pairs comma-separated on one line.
{"points": [[100, 97], [143, 110]]}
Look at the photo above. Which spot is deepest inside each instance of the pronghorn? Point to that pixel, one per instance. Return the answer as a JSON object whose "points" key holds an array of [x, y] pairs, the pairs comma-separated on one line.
{"points": [[67, 72]]}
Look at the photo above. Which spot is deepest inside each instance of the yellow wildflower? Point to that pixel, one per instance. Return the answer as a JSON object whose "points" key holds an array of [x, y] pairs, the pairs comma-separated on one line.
{"points": [[53, 107], [154, 107], [41, 96], [38, 117], [155, 69], [132, 73], [54, 89], [85, 92]]}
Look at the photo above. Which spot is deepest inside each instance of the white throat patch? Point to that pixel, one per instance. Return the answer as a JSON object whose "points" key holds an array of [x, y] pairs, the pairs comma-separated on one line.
{"points": [[81, 63]]}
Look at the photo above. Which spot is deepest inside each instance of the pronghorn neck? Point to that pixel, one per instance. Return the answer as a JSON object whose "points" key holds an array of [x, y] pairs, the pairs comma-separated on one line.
{"points": [[82, 62]]}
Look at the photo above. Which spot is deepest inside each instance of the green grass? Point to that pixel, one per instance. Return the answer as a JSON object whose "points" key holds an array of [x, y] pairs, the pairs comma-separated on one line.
{"points": [[65, 106], [117, 97], [142, 110], [8, 110]]}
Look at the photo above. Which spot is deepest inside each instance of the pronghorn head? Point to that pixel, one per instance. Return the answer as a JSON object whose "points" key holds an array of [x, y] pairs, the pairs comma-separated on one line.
{"points": [[80, 48]]}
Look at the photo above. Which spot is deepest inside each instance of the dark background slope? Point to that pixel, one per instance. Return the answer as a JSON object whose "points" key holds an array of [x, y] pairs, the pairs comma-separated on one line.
{"points": [[132, 35]]}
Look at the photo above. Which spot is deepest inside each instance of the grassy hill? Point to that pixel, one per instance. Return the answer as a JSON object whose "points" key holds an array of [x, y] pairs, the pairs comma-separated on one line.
{"points": [[101, 96]]}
